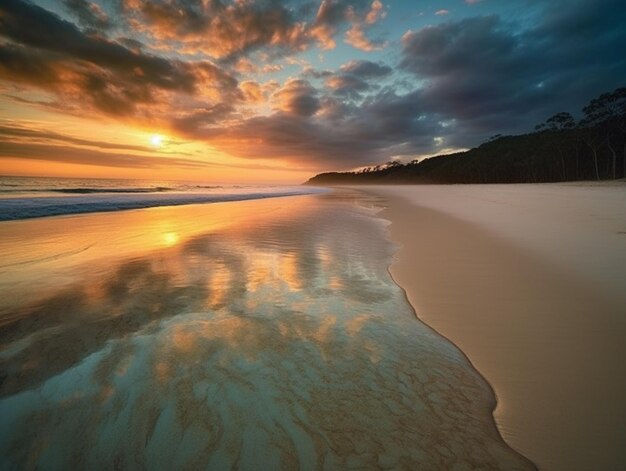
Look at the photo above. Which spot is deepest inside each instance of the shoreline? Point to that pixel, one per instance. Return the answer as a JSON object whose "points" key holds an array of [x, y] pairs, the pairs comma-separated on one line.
{"points": [[528, 414], [492, 391]]}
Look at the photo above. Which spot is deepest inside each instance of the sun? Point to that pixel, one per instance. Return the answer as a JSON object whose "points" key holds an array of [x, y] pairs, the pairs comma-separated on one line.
{"points": [[156, 140]]}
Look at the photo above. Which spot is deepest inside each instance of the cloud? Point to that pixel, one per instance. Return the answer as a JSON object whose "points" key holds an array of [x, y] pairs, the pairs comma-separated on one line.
{"points": [[310, 72], [199, 117], [376, 12], [226, 31], [353, 78], [330, 15], [90, 71], [366, 69], [470, 77], [442, 12], [337, 135], [21, 65], [33, 26], [89, 14], [10, 131], [489, 74], [356, 36], [253, 91], [347, 85], [75, 155], [297, 97], [221, 30]]}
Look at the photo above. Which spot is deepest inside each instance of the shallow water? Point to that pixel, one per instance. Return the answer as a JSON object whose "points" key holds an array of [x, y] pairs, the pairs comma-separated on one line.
{"points": [[257, 335]]}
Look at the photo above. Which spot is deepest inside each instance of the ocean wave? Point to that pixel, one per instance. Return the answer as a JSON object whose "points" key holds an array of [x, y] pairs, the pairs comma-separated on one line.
{"points": [[84, 191], [12, 209]]}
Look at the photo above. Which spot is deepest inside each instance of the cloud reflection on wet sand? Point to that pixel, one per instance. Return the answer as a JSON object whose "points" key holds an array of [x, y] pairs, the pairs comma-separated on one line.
{"points": [[274, 339]]}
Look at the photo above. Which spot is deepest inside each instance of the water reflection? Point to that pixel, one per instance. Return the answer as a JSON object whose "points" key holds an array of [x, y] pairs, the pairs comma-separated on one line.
{"points": [[263, 334]]}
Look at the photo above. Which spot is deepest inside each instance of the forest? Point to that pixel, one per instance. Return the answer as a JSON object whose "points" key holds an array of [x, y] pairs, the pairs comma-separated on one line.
{"points": [[560, 149]]}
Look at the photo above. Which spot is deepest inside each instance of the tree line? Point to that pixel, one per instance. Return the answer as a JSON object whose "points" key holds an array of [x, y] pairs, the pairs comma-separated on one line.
{"points": [[559, 149]]}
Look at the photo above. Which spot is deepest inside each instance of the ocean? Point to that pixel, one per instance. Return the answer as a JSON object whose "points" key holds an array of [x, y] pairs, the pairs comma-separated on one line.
{"points": [[257, 334], [31, 197]]}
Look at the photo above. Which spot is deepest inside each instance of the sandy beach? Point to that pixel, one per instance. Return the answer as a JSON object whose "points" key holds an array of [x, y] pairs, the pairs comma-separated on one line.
{"points": [[530, 282]]}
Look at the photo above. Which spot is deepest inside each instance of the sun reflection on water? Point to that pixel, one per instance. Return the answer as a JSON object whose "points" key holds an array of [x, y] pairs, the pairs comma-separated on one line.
{"points": [[227, 335], [170, 238]]}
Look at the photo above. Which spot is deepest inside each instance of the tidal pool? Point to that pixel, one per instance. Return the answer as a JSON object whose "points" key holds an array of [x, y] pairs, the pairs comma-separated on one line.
{"points": [[252, 335]]}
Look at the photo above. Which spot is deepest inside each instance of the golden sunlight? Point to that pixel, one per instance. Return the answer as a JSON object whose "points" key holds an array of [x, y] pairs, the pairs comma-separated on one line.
{"points": [[156, 140], [170, 238]]}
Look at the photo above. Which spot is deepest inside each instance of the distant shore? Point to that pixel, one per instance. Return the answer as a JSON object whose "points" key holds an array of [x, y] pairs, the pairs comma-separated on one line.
{"points": [[530, 282]]}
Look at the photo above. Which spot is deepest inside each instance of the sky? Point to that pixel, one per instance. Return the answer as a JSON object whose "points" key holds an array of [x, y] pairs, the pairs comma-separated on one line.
{"points": [[241, 91]]}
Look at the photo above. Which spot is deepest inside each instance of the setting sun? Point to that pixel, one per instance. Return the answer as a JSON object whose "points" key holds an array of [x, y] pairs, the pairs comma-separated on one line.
{"points": [[156, 140]]}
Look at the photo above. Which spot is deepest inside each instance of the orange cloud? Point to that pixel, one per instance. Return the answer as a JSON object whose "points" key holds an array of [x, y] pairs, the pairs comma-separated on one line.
{"points": [[253, 92], [296, 97], [355, 36]]}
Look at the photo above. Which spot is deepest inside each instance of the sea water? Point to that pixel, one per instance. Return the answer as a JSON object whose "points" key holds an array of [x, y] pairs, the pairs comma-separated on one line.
{"points": [[255, 335], [31, 197]]}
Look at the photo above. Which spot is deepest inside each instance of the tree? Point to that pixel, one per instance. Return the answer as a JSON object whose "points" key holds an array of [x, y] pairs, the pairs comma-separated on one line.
{"points": [[557, 125], [561, 122], [593, 140], [607, 113]]}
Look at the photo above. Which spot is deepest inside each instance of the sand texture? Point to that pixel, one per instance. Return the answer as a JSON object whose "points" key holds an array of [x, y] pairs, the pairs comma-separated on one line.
{"points": [[530, 282]]}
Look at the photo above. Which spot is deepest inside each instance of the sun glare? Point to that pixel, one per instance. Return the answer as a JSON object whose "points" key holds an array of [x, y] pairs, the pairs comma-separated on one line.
{"points": [[156, 140]]}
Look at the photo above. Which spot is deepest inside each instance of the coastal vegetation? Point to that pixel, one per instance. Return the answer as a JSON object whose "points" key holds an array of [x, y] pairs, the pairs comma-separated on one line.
{"points": [[560, 149]]}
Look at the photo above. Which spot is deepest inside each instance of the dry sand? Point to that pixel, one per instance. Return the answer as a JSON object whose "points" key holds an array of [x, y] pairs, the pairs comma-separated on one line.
{"points": [[530, 282]]}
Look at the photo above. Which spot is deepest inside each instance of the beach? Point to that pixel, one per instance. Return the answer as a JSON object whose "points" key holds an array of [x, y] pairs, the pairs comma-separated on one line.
{"points": [[265, 333], [530, 282]]}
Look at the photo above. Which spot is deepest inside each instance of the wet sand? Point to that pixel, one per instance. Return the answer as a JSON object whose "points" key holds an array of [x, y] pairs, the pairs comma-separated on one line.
{"points": [[530, 282], [262, 334]]}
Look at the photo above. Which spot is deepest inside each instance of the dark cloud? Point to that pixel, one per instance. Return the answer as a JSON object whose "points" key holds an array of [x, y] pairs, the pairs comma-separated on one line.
{"points": [[472, 78], [22, 65], [366, 69], [347, 85], [89, 14], [297, 97], [201, 117], [491, 75], [354, 77], [20, 132], [89, 70], [33, 26], [338, 135], [475, 68], [310, 72], [132, 44], [75, 155]]}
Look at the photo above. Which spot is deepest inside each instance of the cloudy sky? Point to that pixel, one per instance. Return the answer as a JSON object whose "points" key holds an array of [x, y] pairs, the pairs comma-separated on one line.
{"points": [[276, 91]]}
